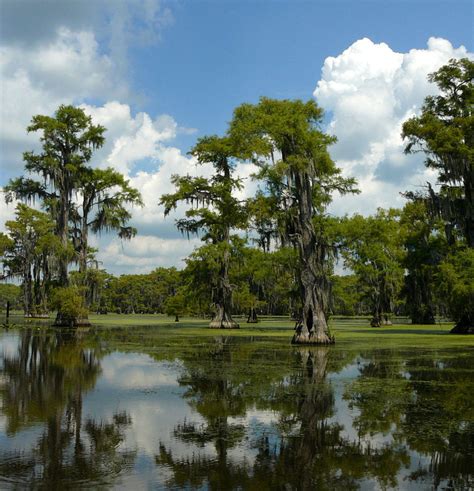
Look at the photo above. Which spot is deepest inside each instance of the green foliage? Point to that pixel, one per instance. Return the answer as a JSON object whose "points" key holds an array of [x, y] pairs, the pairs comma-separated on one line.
{"points": [[372, 249], [455, 285], [347, 297], [175, 305], [203, 273], [425, 246], [68, 140], [445, 133], [10, 293], [70, 302], [143, 293], [28, 252], [214, 210], [105, 193], [283, 138]]}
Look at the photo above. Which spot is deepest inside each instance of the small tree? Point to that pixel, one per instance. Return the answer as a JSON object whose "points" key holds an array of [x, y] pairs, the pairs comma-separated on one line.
{"points": [[215, 212], [373, 250], [175, 305], [29, 250]]}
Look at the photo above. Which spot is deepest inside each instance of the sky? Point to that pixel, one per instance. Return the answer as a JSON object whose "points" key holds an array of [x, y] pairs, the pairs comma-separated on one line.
{"points": [[159, 74]]}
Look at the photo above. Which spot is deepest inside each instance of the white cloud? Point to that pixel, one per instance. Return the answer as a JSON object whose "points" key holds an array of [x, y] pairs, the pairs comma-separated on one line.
{"points": [[36, 80], [139, 146], [130, 139], [144, 253], [370, 90]]}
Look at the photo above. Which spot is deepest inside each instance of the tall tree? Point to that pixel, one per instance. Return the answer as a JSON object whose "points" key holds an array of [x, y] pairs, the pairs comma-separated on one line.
{"points": [[283, 138], [444, 131], [216, 212], [68, 141]]}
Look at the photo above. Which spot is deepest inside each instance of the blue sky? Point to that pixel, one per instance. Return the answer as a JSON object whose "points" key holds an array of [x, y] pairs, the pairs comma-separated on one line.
{"points": [[158, 74], [217, 55]]}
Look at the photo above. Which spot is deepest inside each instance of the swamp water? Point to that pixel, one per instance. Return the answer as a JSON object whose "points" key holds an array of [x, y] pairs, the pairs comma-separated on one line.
{"points": [[219, 412]]}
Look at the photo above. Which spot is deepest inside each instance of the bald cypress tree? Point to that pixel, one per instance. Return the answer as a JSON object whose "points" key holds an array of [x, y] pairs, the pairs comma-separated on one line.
{"points": [[283, 138], [214, 212]]}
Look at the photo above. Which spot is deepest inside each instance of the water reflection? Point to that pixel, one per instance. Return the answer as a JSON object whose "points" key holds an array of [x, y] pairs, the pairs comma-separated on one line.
{"points": [[309, 450], [424, 403], [233, 413], [44, 382]]}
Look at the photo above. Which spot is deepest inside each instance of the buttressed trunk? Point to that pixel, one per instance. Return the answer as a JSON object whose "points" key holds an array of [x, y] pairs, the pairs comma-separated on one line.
{"points": [[312, 327], [465, 325], [223, 299]]}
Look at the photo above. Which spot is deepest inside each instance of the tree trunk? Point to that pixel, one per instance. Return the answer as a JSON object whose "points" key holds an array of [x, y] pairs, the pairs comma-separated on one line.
{"points": [[465, 325], [223, 295], [312, 328], [63, 232], [83, 247], [27, 292], [379, 319], [252, 317]]}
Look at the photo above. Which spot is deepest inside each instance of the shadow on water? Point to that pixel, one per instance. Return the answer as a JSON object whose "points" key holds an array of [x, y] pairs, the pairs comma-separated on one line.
{"points": [[43, 383]]}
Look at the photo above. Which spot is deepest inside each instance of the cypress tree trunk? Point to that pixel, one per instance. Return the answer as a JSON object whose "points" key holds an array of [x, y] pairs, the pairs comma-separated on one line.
{"points": [[63, 320], [223, 296], [27, 293], [252, 317], [465, 325], [312, 328], [63, 230]]}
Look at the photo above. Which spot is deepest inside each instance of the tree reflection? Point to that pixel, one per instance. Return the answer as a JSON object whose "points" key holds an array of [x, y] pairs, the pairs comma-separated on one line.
{"points": [[217, 392], [43, 383], [307, 450], [424, 403]]}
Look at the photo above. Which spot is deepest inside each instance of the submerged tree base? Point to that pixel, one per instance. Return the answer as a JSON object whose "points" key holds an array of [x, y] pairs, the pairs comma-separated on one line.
{"points": [[67, 321], [313, 338], [221, 324], [379, 322], [252, 317], [464, 326]]}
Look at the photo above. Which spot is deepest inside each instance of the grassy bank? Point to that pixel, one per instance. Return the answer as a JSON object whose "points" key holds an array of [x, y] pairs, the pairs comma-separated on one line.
{"points": [[150, 329]]}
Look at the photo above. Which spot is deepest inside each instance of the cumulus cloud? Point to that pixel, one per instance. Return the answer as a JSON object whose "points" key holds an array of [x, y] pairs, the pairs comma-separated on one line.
{"points": [[369, 90], [129, 139], [36, 80], [141, 148]]}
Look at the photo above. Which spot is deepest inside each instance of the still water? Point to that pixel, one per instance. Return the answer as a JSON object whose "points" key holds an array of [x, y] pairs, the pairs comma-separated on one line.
{"points": [[231, 413]]}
